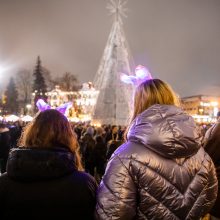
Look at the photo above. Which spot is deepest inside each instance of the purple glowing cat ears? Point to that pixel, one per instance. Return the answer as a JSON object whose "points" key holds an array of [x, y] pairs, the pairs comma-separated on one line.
{"points": [[42, 106], [141, 74], [62, 108]]}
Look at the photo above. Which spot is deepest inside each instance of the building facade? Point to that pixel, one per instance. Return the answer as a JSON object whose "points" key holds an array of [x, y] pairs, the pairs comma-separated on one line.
{"points": [[83, 101], [203, 108]]}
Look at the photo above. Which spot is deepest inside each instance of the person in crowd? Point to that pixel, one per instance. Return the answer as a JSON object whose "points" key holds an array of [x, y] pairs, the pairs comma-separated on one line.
{"points": [[99, 157], [161, 172], [78, 130], [87, 145], [212, 147], [121, 131], [99, 132], [44, 177], [114, 142], [111, 133], [15, 133], [112, 146], [5, 145]]}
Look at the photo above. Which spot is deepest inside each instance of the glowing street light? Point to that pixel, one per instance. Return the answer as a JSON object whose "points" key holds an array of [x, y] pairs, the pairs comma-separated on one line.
{"points": [[28, 106]]}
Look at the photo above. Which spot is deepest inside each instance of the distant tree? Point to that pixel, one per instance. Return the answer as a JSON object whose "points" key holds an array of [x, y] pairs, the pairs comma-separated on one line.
{"points": [[39, 85], [68, 82], [11, 95], [48, 79], [23, 80]]}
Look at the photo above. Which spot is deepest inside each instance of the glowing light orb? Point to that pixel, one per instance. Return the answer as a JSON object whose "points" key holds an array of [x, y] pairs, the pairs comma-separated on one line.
{"points": [[142, 72]]}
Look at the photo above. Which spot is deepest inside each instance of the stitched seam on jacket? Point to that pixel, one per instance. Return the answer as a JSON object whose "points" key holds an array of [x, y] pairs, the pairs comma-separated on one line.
{"points": [[156, 198], [200, 192], [183, 194], [115, 196], [120, 159], [171, 129], [145, 189], [98, 203], [156, 173], [125, 158], [196, 200], [167, 208], [118, 197], [141, 214], [194, 176], [166, 181]]}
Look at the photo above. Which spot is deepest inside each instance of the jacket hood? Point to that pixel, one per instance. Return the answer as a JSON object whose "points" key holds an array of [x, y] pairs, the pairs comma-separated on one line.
{"points": [[167, 130], [28, 164]]}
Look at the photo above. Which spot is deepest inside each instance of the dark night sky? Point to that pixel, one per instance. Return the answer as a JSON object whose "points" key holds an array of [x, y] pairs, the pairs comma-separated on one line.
{"points": [[178, 40]]}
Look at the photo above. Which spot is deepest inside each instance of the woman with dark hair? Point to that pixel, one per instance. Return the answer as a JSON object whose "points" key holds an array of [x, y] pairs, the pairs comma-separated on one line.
{"points": [[44, 177], [5, 145], [161, 172]]}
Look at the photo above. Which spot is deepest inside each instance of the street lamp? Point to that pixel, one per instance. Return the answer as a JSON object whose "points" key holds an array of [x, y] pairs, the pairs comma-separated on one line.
{"points": [[28, 106]]}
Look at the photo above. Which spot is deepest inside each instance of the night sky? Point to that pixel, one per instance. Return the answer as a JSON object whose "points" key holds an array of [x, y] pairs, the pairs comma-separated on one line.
{"points": [[178, 40]]}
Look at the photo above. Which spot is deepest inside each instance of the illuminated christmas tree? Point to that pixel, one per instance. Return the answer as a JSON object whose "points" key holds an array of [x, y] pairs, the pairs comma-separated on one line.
{"points": [[113, 103]]}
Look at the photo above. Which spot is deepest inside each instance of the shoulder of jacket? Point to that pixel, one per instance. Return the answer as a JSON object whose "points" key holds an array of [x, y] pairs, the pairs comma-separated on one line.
{"points": [[131, 151], [129, 148]]}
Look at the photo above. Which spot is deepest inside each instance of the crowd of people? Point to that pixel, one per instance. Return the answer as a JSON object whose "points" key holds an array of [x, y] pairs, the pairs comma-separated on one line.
{"points": [[96, 144], [158, 167]]}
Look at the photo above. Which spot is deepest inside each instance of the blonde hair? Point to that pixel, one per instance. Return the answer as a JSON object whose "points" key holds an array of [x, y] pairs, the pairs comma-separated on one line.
{"points": [[151, 92], [51, 129]]}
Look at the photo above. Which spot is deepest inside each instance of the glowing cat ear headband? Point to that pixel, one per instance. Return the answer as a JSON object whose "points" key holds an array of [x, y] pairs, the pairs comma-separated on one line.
{"points": [[42, 106], [141, 74]]}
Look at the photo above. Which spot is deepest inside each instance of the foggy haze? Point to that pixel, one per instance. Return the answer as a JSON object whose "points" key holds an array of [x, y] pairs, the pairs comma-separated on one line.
{"points": [[178, 40]]}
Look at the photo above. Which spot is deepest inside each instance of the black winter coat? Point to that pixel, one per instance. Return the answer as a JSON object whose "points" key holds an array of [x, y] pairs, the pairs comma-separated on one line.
{"points": [[5, 142], [44, 184], [5, 145], [212, 147], [160, 173]]}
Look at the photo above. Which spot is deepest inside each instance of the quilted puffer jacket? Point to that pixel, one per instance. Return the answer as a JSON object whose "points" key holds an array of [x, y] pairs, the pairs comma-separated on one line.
{"points": [[212, 145], [161, 172]]}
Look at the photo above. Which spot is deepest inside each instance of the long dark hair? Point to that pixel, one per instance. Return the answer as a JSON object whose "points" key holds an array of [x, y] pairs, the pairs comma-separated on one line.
{"points": [[51, 129]]}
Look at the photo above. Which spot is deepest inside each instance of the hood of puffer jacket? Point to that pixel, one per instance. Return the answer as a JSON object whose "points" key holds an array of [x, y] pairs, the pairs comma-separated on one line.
{"points": [[29, 164], [166, 130]]}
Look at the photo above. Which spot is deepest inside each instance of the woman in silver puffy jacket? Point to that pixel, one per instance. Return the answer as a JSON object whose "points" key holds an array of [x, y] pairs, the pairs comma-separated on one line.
{"points": [[161, 172]]}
